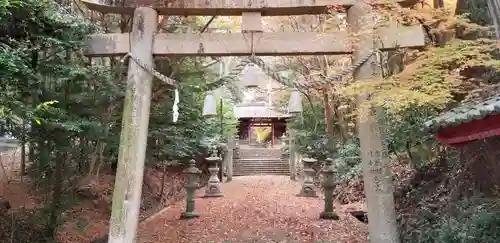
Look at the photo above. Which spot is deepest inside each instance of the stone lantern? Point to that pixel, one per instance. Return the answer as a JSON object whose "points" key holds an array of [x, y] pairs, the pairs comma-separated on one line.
{"points": [[328, 186], [213, 187], [192, 183], [308, 185]]}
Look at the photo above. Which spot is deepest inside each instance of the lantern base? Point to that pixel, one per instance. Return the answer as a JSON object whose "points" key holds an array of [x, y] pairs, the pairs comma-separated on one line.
{"points": [[213, 190], [189, 215], [207, 194], [307, 191], [213, 187], [329, 215]]}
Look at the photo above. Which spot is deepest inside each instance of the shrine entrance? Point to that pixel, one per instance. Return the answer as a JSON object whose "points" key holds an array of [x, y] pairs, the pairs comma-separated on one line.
{"points": [[144, 42], [260, 125]]}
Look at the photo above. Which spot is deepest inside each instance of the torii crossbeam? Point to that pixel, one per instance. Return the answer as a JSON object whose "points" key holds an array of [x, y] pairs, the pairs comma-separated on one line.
{"points": [[264, 44], [144, 42], [228, 7]]}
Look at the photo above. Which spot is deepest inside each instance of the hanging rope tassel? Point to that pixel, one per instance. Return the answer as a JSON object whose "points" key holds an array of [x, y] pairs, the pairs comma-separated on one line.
{"points": [[175, 108]]}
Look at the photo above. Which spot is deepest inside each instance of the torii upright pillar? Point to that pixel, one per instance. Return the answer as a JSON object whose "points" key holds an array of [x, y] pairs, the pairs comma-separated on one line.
{"points": [[133, 138], [377, 179]]}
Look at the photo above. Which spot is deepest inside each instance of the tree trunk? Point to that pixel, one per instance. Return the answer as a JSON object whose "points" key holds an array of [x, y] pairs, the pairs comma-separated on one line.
{"points": [[163, 178], [56, 193], [438, 4], [22, 170], [494, 9], [462, 7], [328, 120]]}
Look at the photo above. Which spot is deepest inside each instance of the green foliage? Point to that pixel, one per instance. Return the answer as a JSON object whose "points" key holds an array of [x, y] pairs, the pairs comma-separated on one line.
{"points": [[349, 162], [68, 109], [310, 129], [404, 134], [435, 81], [467, 223], [431, 81], [478, 12]]}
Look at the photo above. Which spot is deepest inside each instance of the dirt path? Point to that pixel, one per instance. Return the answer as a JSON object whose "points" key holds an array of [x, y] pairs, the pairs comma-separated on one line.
{"points": [[254, 209]]}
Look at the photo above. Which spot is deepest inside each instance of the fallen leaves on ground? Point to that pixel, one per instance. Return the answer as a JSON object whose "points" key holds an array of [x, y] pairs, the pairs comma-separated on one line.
{"points": [[254, 209], [89, 220]]}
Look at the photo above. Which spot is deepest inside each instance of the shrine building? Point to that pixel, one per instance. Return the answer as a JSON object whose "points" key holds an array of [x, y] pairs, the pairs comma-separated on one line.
{"points": [[473, 132], [254, 116], [467, 123]]}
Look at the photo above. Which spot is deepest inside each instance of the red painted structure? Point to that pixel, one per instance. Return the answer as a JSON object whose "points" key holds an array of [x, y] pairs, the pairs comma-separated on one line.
{"points": [[469, 132], [278, 127], [260, 115]]}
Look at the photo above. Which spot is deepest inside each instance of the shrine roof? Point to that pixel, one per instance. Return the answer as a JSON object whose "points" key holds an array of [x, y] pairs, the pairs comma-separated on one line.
{"points": [[464, 114], [257, 110]]}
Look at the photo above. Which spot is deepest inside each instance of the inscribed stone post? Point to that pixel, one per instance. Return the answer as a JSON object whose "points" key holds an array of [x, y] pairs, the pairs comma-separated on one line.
{"points": [[378, 184], [133, 140]]}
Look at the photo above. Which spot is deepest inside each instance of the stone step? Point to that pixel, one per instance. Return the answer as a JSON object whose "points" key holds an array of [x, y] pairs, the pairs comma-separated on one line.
{"points": [[261, 166], [261, 169], [260, 173], [245, 170], [261, 162], [262, 159], [246, 153]]}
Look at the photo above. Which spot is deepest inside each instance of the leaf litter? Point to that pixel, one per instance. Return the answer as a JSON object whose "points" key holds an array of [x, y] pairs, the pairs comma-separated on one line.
{"points": [[257, 209]]}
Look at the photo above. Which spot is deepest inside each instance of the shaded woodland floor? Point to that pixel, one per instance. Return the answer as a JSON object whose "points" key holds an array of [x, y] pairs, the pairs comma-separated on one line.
{"points": [[254, 209]]}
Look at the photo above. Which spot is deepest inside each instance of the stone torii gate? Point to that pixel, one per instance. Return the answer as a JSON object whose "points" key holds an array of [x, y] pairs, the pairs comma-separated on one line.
{"points": [[143, 43]]}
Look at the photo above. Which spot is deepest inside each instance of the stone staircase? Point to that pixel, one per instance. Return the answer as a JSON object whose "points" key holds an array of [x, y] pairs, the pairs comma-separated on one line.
{"points": [[260, 161]]}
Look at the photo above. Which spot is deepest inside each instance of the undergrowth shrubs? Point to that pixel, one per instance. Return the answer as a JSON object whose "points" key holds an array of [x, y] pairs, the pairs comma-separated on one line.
{"points": [[465, 222], [348, 165]]}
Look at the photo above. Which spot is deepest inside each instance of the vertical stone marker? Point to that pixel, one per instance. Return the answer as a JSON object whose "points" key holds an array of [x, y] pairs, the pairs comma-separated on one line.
{"points": [[377, 179], [133, 140]]}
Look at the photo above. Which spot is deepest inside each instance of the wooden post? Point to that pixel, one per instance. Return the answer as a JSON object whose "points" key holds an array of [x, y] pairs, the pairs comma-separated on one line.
{"points": [[230, 152], [250, 134], [272, 134], [292, 157], [376, 174], [133, 140]]}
